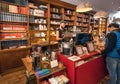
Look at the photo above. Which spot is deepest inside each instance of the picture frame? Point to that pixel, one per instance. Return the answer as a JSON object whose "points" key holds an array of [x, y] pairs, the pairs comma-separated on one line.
{"points": [[79, 50], [53, 55], [90, 46], [54, 63], [85, 50]]}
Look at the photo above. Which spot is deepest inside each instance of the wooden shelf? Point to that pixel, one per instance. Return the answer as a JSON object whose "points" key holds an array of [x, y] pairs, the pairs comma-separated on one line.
{"points": [[85, 26], [52, 71], [39, 16], [79, 17], [12, 3], [42, 43], [38, 37], [52, 36], [69, 14], [79, 26], [55, 19], [14, 49], [55, 24], [85, 22], [38, 30], [13, 31], [70, 20], [55, 12], [69, 25], [6, 39], [14, 13], [13, 22], [79, 21], [37, 23], [52, 30]]}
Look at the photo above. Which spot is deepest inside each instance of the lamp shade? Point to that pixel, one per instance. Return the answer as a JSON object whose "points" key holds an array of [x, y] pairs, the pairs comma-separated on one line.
{"points": [[116, 20], [83, 7], [100, 14]]}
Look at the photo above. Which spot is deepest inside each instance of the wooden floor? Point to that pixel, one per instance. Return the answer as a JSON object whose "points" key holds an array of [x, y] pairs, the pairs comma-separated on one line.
{"points": [[18, 77]]}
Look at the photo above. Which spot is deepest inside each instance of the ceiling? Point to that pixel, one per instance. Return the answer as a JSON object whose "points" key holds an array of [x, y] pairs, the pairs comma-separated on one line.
{"points": [[109, 6]]}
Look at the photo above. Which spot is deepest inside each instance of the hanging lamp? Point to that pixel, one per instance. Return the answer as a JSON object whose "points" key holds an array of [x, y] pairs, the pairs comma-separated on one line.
{"points": [[116, 20], [100, 14], [84, 7]]}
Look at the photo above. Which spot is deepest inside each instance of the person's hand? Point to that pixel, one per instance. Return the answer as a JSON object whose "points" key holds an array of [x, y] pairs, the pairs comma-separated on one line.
{"points": [[97, 50]]}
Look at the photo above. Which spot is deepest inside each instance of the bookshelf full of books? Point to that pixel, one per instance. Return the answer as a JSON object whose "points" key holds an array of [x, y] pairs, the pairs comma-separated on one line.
{"points": [[13, 25], [69, 17], [95, 31], [103, 25], [38, 23], [82, 22], [55, 18]]}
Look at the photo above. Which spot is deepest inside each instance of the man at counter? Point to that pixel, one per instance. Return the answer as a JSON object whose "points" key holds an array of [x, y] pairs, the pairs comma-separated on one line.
{"points": [[112, 52]]}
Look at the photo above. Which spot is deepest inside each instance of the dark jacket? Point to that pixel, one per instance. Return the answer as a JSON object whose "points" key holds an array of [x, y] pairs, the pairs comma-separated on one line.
{"points": [[112, 44]]}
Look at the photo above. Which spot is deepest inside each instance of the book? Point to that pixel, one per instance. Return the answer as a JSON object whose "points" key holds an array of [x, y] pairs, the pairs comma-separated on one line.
{"points": [[13, 9], [74, 58]]}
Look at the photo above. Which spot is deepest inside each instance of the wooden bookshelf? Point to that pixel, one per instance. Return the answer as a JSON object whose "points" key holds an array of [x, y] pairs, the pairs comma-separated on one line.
{"points": [[70, 18], [55, 18], [38, 23], [82, 22], [103, 26], [30, 27], [14, 40], [14, 24]]}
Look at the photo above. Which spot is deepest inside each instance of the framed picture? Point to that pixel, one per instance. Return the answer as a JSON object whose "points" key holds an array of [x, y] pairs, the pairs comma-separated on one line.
{"points": [[79, 50], [85, 50], [90, 46], [53, 55]]}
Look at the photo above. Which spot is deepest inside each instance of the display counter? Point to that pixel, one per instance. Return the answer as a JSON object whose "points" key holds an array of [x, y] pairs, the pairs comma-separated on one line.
{"points": [[89, 69]]}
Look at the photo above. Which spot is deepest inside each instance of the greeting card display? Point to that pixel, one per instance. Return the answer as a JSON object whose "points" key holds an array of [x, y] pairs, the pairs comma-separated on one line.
{"points": [[79, 50], [90, 46]]}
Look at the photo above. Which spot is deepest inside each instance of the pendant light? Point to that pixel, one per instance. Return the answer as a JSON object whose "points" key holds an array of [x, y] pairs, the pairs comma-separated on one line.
{"points": [[84, 7], [100, 14], [116, 20]]}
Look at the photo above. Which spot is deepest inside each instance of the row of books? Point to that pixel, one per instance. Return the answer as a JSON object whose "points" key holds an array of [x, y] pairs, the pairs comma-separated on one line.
{"points": [[12, 27], [69, 12], [56, 16], [32, 19], [12, 17], [38, 27], [57, 10], [13, 44], [37, 12], [13, 8], [16, 9], [18, 2], [12, 35], [62, 79]]}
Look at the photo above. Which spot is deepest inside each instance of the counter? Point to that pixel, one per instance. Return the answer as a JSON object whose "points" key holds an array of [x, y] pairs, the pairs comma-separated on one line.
{"points": [[89, 69]]}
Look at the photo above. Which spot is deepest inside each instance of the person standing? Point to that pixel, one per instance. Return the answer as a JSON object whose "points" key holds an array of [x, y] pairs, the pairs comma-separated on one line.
{"points": [[60, 32], [112, 52]]}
